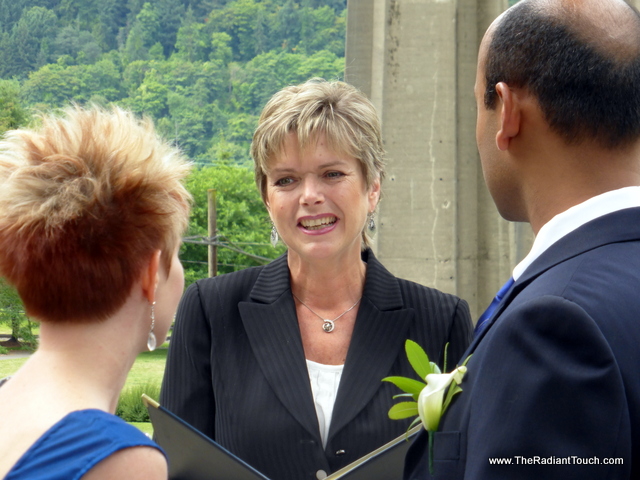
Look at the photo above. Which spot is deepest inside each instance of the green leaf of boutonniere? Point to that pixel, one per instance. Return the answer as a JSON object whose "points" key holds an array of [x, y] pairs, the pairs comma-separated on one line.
{"points": [[419, 360], [431, 396], [407, 385], [403, 410]]}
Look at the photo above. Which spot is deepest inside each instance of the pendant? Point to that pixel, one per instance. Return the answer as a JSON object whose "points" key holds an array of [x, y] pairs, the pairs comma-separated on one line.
{"points": [[151, 342], [328, 325]]}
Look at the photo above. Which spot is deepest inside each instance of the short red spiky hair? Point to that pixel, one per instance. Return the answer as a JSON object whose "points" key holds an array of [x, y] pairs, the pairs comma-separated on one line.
{"points": [[85, 200]]}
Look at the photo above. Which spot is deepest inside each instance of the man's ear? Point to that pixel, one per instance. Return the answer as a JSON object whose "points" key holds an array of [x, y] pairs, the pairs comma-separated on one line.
{"points": [[509, 116], [151, 277]]}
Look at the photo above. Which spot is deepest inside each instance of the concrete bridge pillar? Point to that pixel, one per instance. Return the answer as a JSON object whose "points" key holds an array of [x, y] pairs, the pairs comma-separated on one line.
{"points": [[437, 224]]}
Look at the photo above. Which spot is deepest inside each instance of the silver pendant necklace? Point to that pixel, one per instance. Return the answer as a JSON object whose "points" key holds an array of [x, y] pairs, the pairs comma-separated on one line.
{"points": [[328, 325]]}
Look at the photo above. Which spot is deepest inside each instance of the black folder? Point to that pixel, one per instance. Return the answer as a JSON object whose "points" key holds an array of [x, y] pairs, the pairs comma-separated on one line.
{"points": [[194, 456]]}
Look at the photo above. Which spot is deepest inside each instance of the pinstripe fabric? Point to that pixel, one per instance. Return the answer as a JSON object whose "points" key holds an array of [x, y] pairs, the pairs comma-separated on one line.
{"points": [[236, 368]]}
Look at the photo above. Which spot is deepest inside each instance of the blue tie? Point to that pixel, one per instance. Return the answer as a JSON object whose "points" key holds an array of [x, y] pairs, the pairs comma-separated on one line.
{"points": [[488, 313]]}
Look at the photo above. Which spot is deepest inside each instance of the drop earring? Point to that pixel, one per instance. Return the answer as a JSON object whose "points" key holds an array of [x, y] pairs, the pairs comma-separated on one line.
{"points": [[372, 221], [274, 235], [151, 340]]}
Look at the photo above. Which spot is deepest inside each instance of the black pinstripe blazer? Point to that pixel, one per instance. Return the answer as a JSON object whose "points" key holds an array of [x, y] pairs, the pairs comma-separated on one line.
{"points": [[236, 368]]}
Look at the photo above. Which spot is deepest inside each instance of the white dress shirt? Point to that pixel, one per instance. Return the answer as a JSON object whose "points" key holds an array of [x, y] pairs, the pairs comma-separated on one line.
{"points": [[573, 218], [325, 380]]}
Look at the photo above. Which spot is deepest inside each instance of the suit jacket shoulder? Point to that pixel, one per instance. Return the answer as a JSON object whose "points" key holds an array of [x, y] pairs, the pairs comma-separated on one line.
{"points": [[552, 387]]}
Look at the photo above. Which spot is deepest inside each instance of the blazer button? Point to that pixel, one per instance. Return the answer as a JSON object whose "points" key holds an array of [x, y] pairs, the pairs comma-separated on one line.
{"points": [[340, 452], [321, 474]]}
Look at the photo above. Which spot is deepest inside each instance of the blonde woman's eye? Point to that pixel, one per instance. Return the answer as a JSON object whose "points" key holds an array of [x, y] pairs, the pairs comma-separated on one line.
{"points": [[283, 182], [335, 174]]}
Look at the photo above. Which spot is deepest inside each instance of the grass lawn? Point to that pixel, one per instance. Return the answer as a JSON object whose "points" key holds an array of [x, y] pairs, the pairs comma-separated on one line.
{"points": [[6, 329], [148, 368], [10, 366], [144, 427]]}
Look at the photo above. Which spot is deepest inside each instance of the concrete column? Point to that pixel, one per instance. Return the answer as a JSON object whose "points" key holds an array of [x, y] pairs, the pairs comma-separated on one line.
{"points": [[634, 3], [416, 59]]}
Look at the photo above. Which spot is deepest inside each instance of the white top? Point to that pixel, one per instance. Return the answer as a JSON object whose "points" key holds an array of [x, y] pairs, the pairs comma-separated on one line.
{"points": [[573, 218], [325, 380]]}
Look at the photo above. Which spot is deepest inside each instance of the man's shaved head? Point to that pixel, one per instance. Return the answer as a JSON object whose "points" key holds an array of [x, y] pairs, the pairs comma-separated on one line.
{"points": [[579, 58]]}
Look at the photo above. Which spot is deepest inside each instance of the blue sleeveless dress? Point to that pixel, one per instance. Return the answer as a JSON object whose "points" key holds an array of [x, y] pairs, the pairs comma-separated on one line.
{"points": [[75, 444]]}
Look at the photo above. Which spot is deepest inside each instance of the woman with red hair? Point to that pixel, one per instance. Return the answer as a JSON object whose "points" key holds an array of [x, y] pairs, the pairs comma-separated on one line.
{"points": [[92, 209]]}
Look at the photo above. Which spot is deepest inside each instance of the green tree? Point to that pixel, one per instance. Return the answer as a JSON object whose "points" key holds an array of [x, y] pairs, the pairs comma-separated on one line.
{"points": [[265, 74], [156, 52], [12, 113], [336, 5], [321, 29], [190, 42], [12, 10], [135, 49], [224, 152], [286, 25], [170, 18], [323, 64], [27, 47], [12, 314], [242, 221], [150, 97], [149, 21], [55, 85], [81, 12], [74, 42], [220, 48], [238, 20], [261, 33], [143, 34], [112, 17], [241, 128]]}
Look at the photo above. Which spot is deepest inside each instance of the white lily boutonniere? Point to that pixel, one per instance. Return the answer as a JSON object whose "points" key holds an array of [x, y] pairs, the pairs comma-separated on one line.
{"points": [[429, 401]]}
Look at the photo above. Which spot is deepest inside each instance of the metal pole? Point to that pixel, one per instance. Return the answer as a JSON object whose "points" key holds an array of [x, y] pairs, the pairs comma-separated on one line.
{"points": [[213, 248]]}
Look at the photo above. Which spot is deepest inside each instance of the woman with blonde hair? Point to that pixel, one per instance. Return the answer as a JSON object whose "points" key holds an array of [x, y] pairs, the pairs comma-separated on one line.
{"points": [[92, 209], [282, 364]]}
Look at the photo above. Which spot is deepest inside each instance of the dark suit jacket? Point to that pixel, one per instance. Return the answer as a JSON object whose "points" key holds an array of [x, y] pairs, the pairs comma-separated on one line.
{"points": [[556, 375], [236, 368]]}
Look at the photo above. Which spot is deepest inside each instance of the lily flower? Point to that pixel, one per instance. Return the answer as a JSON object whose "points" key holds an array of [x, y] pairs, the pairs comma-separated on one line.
{"points": [[431, 402]]}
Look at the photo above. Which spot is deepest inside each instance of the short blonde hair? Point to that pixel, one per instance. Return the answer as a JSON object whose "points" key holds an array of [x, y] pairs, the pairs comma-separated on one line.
{"points": [[337, 110], [85, 200]]}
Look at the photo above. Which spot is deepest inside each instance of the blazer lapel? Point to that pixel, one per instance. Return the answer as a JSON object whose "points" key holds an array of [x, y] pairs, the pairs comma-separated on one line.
{"points": [[378, 338], [272, 327], [620, 226]]}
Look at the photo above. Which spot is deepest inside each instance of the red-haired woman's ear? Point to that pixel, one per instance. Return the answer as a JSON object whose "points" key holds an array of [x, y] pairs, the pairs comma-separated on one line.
{"points": [[151, 276]]}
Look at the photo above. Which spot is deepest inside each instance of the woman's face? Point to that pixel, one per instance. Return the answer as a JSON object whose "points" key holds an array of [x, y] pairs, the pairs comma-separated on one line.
{"points": [[318, 200]]}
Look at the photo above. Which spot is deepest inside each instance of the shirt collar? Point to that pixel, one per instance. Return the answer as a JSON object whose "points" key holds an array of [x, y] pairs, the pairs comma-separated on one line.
{"points": [[576, 216]]}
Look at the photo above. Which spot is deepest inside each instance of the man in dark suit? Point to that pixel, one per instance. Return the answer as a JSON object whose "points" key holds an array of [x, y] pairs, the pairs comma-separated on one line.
{"points": [[552, 389]]}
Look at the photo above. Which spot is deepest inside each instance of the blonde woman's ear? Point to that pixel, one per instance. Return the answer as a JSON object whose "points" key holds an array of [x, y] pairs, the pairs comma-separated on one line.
{"points": [[374, 194]]}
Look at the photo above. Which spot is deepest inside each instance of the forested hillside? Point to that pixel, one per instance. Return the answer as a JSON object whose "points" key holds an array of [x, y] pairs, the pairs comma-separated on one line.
{"points": [[201, 68]]}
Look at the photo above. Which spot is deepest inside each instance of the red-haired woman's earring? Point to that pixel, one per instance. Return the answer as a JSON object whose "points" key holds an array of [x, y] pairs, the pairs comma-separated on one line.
{"points": [[151, 340], [274, 235]]}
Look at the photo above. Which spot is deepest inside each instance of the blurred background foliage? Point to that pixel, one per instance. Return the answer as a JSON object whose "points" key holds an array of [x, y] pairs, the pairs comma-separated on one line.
{"points": [[201, 69]]}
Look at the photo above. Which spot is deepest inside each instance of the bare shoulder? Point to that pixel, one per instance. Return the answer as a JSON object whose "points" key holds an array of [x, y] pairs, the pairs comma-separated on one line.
{"points": [[135, 463]]}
